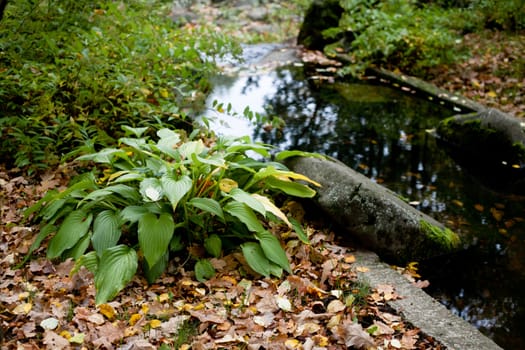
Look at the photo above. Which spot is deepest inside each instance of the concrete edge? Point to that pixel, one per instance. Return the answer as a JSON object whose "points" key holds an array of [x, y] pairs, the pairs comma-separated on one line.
{"points": [[420, 309]]}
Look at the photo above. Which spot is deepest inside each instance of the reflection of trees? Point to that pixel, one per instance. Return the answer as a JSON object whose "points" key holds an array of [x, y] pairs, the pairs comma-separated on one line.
{"points": [[383, 138]]}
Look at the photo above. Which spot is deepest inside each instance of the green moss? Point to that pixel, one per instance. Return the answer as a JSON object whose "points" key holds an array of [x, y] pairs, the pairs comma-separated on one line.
{"points": [[443, 236]]}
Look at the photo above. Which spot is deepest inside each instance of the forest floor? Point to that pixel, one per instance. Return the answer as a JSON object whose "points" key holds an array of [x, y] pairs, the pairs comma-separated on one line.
{"points": [[321, 306]]}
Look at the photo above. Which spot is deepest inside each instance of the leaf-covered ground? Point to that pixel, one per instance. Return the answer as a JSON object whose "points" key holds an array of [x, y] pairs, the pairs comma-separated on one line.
{"points": [[320, 306]]}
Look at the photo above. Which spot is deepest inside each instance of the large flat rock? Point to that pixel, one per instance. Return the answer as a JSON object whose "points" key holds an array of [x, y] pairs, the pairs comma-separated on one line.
{"points": [[420, 309]]}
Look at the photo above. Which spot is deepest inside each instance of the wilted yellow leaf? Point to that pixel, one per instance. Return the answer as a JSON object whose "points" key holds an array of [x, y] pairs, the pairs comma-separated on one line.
{"points": [[134, 319], [226, 185], [292, 344], [269, 206], [22, 309], [349, 259], [492, 94], [108, 311], [362, 269], [479, 207], [78, 338], [23, 295], [164, 297], [144, 308], [155, 323], [497, 214], [65, 334], [458, 203]]}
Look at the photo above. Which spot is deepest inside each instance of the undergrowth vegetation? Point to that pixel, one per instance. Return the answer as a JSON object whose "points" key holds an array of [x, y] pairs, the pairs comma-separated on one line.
{"points": [[147, 199], [72, 73], [414, 35]]}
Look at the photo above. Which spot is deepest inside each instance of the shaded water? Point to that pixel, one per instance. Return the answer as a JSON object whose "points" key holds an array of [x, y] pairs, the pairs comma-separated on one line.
{"points": [[381, 132]]}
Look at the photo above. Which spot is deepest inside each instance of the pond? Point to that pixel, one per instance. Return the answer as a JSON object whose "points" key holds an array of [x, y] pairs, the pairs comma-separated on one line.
{"points": [[384, 133]]}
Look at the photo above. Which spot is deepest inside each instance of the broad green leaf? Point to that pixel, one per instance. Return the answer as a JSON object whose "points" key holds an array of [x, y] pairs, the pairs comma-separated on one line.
{"points": [[298, 228], [246, 215], [176, 243], [255, 147], [155, 234], [74, 227], [133, 213], [209, 205], [276, 270], [151, 189], [255, 258], [37, 207], [204, 270], [296, 153], [272, 208], [125, 176], [244, 197], [135, 131], [168, 142], [217, 160], [213, 245], [55, 209], [272, 249], [156, 270], [106, 230], [192, 147], [289, 187], [88, 260], [138, 144], [105, 156], [79, 248], [45, 231], [125, 191], [175, 190], [116, 268]]}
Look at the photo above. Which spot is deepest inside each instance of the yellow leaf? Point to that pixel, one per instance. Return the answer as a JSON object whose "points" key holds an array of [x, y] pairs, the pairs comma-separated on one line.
{"points": [[164, 297], [144, 308], [269, 206], [22, 309], [155, 323], [134, 319], [164, 93], [78, 338], [226, 185], [108, 311], [497, 214], [458, 203], [199, 307], [292, 344], [349, 259], [65, 334], [479, 207], [492, 94], [130, 331], [362, 269], [321, 340]]}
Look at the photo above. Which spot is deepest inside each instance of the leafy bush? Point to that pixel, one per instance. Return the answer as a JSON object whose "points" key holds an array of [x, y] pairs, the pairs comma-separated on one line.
{"points": [[146, 199], [395, 32], [72, 73], [507, 14]]}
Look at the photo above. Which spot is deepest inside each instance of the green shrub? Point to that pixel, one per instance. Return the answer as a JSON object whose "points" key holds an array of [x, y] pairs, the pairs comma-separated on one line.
{"points": [[72, 73], [506, 14], [146, 199], [396, 32]]}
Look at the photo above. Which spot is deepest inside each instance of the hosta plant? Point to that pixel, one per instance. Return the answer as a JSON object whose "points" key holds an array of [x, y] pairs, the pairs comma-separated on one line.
{"points": [[152, 197]]}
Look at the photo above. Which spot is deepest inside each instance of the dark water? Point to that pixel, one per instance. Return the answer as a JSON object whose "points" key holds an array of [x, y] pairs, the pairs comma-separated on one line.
{"points": [[382, 132]]}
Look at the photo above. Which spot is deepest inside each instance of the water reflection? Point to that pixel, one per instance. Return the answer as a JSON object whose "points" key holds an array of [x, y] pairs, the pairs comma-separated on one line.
{"points": [[381, 132]]}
